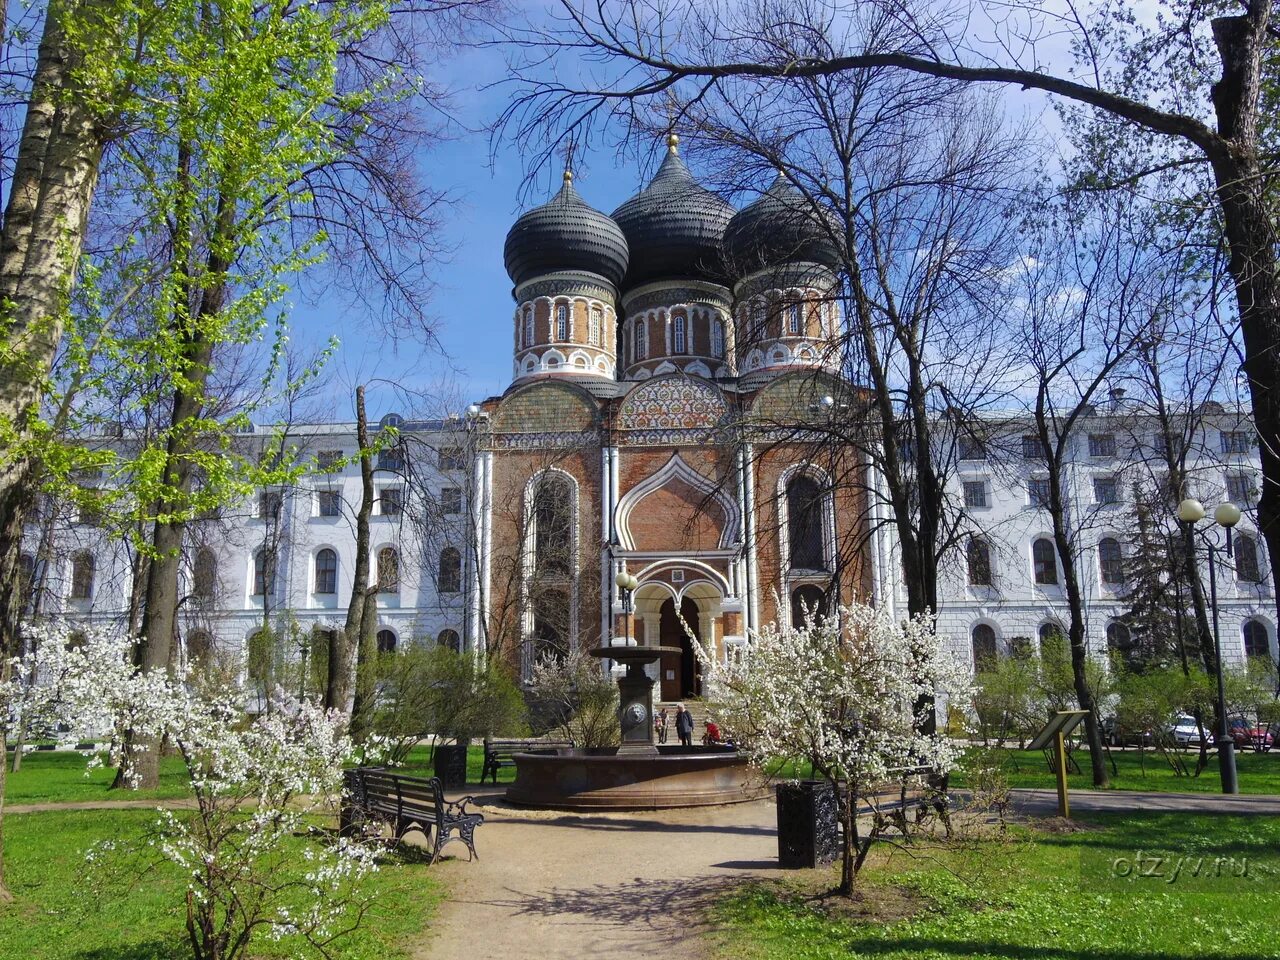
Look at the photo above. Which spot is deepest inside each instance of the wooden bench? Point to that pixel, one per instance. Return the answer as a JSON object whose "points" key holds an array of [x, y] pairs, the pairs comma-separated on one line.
{"points": [[406, 804], [501, 753]]}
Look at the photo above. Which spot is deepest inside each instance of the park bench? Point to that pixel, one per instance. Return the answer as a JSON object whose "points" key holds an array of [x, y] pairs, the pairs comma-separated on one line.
{"points": [[406, 804], [501, 753]]}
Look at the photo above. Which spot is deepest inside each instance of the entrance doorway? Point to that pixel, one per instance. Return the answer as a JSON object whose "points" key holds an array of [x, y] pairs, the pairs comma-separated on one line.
{"points": [[681, 672]]}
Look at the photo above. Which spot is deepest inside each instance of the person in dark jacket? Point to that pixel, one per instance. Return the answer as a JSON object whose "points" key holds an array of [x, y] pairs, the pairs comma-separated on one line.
{"points": [[684, 726]]}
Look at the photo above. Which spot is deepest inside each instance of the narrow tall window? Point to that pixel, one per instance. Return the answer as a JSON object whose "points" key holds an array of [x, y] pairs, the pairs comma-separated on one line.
{"points": [[450, 579], [1044, 562], [562, 321], [264, 574], [388, 570], [793, 319], [757, 322], [978, 555], [326, 571], [204, 574], [82, 570], [677, 335], [717, 339], [984, 648], [528, 326], [1248, 569], [594, 330], [642, 340], [552, 516], [804, 524], [1110, 561], [26, 579]]}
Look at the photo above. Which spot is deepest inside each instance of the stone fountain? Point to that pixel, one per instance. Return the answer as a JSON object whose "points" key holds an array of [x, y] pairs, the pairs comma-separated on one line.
{"points": [[638, 774]]}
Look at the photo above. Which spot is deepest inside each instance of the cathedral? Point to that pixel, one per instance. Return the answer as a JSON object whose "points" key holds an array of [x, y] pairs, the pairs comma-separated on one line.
{"points": [[673, 365]]}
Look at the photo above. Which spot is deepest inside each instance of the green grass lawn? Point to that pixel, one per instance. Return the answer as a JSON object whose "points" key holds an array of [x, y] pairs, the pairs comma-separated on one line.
{"points": [[64, 910], [60, 777], [1040, 896], [1259, 772]]}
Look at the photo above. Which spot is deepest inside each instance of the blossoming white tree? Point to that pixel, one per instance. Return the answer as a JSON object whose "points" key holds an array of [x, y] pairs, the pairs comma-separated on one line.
{"points": [[850, 695], [250, 849]]}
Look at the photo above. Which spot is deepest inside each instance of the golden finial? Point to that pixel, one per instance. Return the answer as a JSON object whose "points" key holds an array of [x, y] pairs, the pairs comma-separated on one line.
{"points": [[568, 175], [673, 141]]}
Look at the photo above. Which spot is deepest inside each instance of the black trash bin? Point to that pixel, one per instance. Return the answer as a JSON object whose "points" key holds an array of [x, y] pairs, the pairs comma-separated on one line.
{"points": [[808, 824], [450, 765]]}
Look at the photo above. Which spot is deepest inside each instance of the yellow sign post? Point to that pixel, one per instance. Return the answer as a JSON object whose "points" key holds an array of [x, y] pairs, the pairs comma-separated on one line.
{"points": [[1055, 732]]}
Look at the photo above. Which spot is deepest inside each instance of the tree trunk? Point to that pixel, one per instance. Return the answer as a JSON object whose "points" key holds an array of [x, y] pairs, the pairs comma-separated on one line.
{"points": [[1251, 238], [54, 176], [1076, 630], [338, 693]]}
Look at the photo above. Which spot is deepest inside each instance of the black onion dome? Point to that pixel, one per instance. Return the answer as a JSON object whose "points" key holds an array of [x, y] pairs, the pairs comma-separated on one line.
{"points": [[565, 233], [780, 227], [674, 227]]}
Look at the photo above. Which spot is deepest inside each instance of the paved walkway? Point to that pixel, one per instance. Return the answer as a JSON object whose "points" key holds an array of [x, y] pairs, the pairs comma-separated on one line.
{"points": [[598, 885], [1042, 803]]}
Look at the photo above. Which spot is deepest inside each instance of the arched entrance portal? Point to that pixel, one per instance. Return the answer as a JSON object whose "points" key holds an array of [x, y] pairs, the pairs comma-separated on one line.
{"points": [[681, 672]]}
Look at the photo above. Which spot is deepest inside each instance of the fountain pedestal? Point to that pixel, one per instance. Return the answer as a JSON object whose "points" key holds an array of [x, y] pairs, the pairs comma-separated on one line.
{"points": [[635, 696]]}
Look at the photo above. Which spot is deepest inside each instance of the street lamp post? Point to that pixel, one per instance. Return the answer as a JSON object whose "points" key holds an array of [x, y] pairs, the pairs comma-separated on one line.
{"points": [[626, 585], [1227, 515]]}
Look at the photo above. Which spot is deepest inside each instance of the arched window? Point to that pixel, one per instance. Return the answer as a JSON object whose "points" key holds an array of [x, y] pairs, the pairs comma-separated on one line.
{"points": [[264, 574], [978, 555], [199, 646], [450, 640], [82, 570], [793, 319], [594, 328], [1248, 569], [562, 321], [552, 516], [1050, 632], [984, 647], [717, 339], [1255, 639], [1044, 561], [807, 601], [204, 574], [1118, 637], [677, 335], [528, 326], [386, 640], [388, 570], [551, 624], [326, 571], [450, 579], [1110, 561], [642, 339], [804, 523], [757, 322]]}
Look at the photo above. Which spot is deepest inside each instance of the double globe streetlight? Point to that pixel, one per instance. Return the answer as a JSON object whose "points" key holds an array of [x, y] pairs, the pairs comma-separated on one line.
{"points": [[1227, 515]]}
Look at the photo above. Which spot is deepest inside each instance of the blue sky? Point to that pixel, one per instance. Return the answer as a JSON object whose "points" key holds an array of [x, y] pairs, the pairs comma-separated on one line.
{"points": [[472, 307]]}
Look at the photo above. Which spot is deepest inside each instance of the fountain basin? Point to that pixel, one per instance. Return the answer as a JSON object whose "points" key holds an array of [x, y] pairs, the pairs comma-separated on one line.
{"points": [[608, 780]]}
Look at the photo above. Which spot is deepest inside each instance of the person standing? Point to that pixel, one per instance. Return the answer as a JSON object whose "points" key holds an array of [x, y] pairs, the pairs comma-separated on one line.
{"points": [[661, 724], [684, 726]]}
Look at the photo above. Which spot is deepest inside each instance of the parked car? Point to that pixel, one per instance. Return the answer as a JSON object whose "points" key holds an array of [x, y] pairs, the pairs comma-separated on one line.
{"points": [[1186, 732], [1114, 733], [1245, 734]]}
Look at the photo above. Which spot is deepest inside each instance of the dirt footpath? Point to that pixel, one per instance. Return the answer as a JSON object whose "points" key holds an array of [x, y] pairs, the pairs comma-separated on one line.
{"points": [[599, 885]]}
